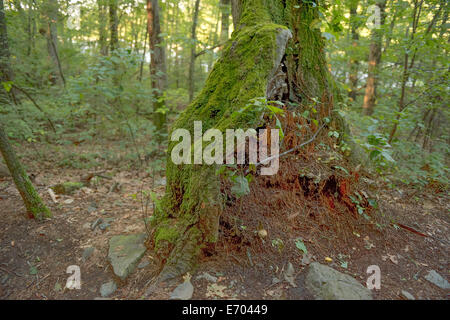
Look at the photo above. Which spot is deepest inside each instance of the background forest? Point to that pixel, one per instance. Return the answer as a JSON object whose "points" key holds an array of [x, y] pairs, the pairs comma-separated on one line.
{"points": [[81, 73], [90, 89]]}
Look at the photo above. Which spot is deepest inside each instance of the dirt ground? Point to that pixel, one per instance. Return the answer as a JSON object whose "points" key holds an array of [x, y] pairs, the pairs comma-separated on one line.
{"points": [[34, 256]]}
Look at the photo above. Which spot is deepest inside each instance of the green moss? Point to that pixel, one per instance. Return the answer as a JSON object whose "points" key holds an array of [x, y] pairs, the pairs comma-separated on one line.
{"points": [[193, 202], [168, 234], [67, 187]]}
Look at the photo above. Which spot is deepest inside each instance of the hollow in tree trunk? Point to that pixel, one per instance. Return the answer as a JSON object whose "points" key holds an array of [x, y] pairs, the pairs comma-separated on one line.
{"points": [[272, 53]]}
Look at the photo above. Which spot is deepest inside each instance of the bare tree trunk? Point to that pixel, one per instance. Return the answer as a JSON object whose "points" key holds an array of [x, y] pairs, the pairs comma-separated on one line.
{"points": [[102, 31], [113, 26], [225, 9], [158, 71], [50, 31], [193, 51], [374, 61], [354, 64]]}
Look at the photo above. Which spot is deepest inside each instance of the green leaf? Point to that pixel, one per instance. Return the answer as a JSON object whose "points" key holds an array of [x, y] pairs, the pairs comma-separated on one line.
{"points": [[33, 270], [300, 245], [240, 186]]}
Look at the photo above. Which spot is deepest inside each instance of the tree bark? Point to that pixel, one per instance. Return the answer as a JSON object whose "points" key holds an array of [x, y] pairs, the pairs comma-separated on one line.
{"points": [[158, 71], [225, 19], [102, 31], [273, 53], [113, 26], [193, 51], [50, 31], [374, 61], [354, 63]]}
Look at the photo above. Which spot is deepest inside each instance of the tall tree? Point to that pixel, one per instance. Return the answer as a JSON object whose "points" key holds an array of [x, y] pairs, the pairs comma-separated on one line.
{"points": [[102, 30], [50, 31], [31, 199], [225, 8], [193, 50], [354, 63], [158, 70], [113, 26], [255, 63], [374, 61], [409, 60]]}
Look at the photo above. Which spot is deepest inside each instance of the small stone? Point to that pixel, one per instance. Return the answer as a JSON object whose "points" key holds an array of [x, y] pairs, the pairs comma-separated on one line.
{"points": [[289, 275], [4, 279], [91, 209], [408, 296], [207, 277], [108, 289], [87, 253], [184, 291], [96, 223], [143, 264], [103, 226], [87, 225], [436, 279]]}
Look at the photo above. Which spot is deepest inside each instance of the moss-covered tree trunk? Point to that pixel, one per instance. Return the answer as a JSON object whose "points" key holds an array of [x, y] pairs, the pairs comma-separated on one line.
{"points": [[274, 52], [33, 202]]}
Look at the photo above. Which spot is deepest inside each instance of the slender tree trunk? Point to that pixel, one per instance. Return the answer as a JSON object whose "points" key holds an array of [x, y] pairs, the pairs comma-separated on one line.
{"points": [[254, 63], [408, 66], [193, 51], [102, 31], [225, 8], [374, 61], [158, 71], [113, 26], [354, 63], [50, 31], [33, 202]]}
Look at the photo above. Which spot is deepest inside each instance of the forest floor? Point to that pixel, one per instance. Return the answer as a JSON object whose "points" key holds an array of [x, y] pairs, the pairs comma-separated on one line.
{"points": [[34, 255]]}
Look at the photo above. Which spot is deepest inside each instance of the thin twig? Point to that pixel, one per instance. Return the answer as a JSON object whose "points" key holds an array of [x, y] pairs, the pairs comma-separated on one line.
{"points": [[290, 150]]}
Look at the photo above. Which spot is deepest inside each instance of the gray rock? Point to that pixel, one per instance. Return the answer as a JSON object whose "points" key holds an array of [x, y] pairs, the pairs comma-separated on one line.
{"points": [[108, 289], [183, 292], [143, 264], [408, 296], [103, 226], [436, 279], [87, 253], [325, 283], [124, 254], [96, 223], [207, 277]]}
